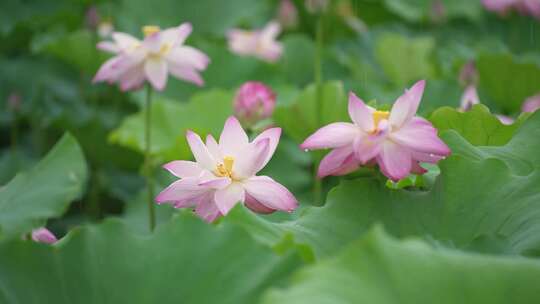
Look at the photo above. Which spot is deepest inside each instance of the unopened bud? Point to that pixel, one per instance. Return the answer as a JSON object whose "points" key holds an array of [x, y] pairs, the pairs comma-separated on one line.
{"points": [[287, 14], [254, 102], [43, 235]]}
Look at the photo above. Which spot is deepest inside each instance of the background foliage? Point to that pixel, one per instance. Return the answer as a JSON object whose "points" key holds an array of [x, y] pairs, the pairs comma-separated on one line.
{"points": [[71, 153]]}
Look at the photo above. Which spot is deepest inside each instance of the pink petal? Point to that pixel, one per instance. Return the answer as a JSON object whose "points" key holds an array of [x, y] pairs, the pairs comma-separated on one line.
{"points": [[531, 104], [43, 235], [200, 152], [153, 42], [186, 74], [339, 160], [395, 161], [270, 193], [182, 191], [183, 168], [125, 41], [270, 51], [420, 136], [108, 46], [156, 73], [273, 134], [177, 35], [211, 181], [417, 169], [334, 135], [107, 70], [469, 98], [360, 113], [505, 120], [207, 208], [250, 159], [233, 138], [426, 157], [271, 30], [407, 104], [132, 79], [253, 205], [366, 148], [228, 197], [213, 148], [188, 57]]}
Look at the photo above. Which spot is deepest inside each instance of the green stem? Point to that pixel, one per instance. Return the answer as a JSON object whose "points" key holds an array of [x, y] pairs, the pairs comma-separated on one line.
{"points": [[14, 133], [317, 69], [148, 159]]}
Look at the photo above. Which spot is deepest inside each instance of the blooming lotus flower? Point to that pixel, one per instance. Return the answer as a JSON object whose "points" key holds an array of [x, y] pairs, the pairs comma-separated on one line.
{"points": [[398, 141], [261, 43], [469, 98], [162, 52], [43, 235], [531, 104], [254, 101], [224, 173], [525, 7]]}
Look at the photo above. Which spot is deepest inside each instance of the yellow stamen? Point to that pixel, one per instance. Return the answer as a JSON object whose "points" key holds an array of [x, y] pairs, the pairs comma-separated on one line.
{"points": [[378, 116], [225, 169], [150, 29], [228, 162]]}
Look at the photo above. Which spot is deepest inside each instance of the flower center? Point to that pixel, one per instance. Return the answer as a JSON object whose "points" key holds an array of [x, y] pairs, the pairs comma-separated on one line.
{"points": [[150, 29], [225, 169], [378, 116]]}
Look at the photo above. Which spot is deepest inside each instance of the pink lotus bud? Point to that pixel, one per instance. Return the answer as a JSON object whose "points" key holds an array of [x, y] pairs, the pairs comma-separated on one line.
{"points": [[468, 74], [254, 101], [437, 12], [287, 14], [43, 235], [91, 18], [469, 98], [316, 6], [14, 102], [531, 104], [503, 7]]}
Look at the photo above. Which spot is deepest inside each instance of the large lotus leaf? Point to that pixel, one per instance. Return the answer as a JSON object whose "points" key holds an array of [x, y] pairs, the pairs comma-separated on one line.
{"points": [[422, 10], [299, 118], [205, 113], [185, 261], [403, 59], [77, 48], [478, 126], [486, 199], [508, 79], [43, 192], [379, 269]]}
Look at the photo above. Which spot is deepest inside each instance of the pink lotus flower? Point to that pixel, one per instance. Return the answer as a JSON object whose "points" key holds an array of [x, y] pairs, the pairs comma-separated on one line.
{"points": [[260, 43], [287, 14], [159, 54], [224, 174], [469, 98], [525, 7], [531, 104], [254, 102], [397, 140], [43, 235]]}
